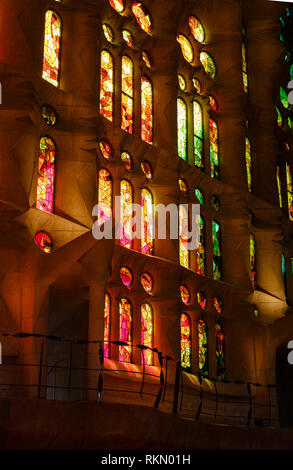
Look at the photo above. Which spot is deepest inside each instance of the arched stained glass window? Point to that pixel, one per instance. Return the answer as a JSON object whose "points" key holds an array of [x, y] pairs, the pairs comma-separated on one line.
{"points": [[214, 148], [147, 333], [126, 201], [52, 40], [203, 352], [284, 274], [248, 163], [147, 222], [142, 17], [252, 259], [107, 326], [107, 85], [186, 47], [125, 330], [289, 191], [46, 175], [127, 95], [196, 29], [200, 251], [279, 186], [198, 134], [183, 237], [220, 358], [244, 68], [185, 328], [217, 255], [118, 5], [104, 196], [208, 64], [182, 128], [146, 110]]}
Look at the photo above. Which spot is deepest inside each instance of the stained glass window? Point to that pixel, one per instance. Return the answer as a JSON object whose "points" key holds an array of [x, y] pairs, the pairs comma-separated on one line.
{"points": [[289, 191], [127, 95], [186, 47], [218, 304], [185, 327], [147, 282], [279, 117], [220, 359], [199, 195], [106, 149], [142, 16], [279, 186], [104, 196], [147, 169], [147, 60], [208, 64], [128, 38], [290, 123], [126, 277], [196, 29], [217, 256], [46, 175], [182, 82], [107, 326], [183, 237], [197, 85], [125, 330], [244, 69], [183, 186], [51, 58], [202, 299], [248, 163], [198, 134], [147, 222], [213, 103], [214, 148], [147, 332], [215, 203], [200, 251], [49, 115], [107, 85], [127, 159], [185, 294], [44, 242], [252, 259], [203, 358], [108, 32], [182, 128], [146, 110], [284, 98], [255, 311], [118, 5], [126, 201]]}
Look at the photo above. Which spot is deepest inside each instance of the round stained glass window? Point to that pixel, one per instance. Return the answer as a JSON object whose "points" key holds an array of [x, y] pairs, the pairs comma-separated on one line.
{"points": [[147, 169], [127, 160], [147, 282], [185, 294], [106, 149], [108, 32], [218, 304], [202, 300], [126, 277]]}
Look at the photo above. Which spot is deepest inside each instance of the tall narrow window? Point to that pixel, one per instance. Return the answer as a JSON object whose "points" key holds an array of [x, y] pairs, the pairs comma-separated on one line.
{"points": [[200, 251], [182, 128], [127, 95], [252, 258], [52, 40], [198, 134], [203, 359], [125, 330], [214, 149], [147, 222], [244, 69], [146, 110], [185, 329], [248, 163], [107, 85], [217, 255], [104, 196], [147, 327], [107, 325], [46, 175], [289, 191], [220, 358], [279, 186], [126, 201], [183, 237]]}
